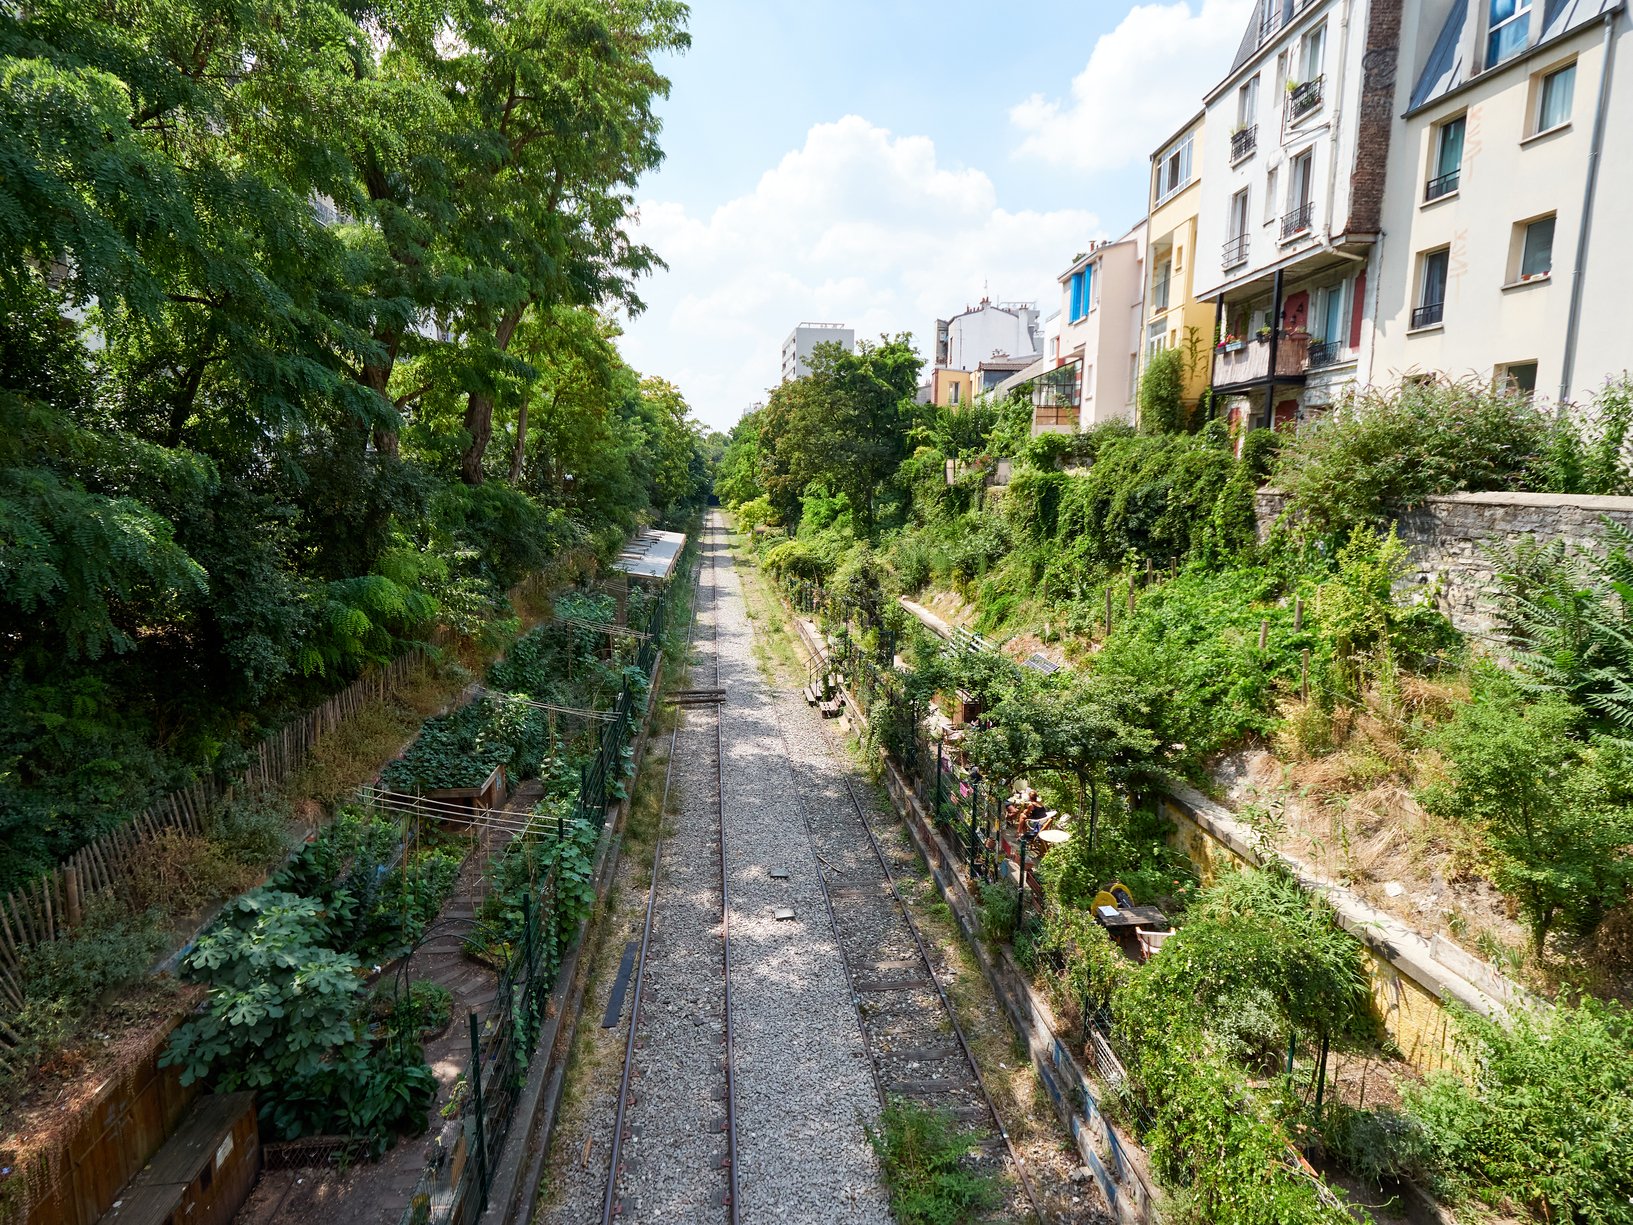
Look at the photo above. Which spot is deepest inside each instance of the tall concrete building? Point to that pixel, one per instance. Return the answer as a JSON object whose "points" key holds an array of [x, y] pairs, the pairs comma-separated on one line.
{"points": [[803, 340]]}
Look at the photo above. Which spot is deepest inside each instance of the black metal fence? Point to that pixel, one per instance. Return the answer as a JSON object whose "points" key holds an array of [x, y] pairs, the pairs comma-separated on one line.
{"points": [[453, 1187]]}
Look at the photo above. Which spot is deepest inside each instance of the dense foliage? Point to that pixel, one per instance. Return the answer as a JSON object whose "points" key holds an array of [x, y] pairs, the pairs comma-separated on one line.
{"points": [[1186, 628], [306, 347]]}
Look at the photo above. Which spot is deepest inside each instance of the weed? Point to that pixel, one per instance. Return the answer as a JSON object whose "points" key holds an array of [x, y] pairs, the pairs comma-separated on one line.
{"points": [[920, 1153]]}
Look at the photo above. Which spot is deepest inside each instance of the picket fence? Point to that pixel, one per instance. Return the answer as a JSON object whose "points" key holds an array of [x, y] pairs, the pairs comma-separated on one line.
{"points": [[52, 904]]}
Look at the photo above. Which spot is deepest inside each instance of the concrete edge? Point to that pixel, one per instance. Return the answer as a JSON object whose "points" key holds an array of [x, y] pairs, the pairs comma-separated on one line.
{"points": [[520, 1168], [1407, 950]]}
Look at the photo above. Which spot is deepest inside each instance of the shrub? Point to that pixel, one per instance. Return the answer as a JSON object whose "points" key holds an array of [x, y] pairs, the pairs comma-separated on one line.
{"points": [[1545, 1117], [1377, 453], [920, 1155], [1162, 394]]}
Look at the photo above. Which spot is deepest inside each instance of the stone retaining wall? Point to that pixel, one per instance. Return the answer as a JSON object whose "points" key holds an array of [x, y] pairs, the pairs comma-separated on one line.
{"points": [[1447, 532]]}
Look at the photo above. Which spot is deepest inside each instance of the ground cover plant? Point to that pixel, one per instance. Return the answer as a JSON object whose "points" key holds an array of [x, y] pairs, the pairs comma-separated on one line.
{"points": [[1386, 742], [921, 1155]]}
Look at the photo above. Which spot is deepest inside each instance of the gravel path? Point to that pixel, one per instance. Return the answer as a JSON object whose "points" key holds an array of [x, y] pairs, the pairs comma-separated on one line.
{"points": [[802, 1083]]}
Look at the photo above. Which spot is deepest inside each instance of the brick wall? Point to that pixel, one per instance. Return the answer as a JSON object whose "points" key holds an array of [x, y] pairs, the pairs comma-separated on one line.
{"points": [[1374, 116], [1446, 535]]}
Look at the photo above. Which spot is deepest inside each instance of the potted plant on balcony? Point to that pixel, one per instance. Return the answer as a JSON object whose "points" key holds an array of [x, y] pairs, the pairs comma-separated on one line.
{"points": [[1263, 334]]}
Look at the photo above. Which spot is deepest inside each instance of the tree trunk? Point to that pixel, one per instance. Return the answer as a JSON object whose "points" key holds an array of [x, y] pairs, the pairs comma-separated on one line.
{"points": [[376, 379], [519, 451], [182, 408], [479, 408]]}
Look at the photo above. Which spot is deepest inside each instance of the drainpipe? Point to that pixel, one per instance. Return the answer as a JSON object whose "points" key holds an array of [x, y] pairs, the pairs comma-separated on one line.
{"points": [[1574, 320]]}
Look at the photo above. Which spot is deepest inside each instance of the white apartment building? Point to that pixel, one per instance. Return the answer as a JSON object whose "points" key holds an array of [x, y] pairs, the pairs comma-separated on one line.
{"points": [[1093, 367], [1502, 257], [803, 340], [1001, 331], [1288, 228]]}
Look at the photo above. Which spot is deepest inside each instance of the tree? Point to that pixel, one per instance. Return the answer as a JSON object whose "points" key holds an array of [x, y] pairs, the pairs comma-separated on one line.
{"points": [[848, 419], [1162, 393]]}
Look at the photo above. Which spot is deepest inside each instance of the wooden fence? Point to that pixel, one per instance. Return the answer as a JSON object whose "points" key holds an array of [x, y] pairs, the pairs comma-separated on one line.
{"points": [[51, 904]]}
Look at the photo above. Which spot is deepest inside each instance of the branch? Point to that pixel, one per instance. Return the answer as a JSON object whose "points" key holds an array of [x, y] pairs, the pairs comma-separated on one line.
{"points": [[402, 402]]}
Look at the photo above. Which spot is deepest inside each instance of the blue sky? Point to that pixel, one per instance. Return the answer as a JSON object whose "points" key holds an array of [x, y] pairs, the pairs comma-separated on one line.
{"points": [[876, 164]]}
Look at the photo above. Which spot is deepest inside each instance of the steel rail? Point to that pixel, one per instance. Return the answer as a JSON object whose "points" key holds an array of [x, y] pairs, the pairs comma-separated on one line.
{"points": [[725, 905], [935, 979], [1020, 1167]]}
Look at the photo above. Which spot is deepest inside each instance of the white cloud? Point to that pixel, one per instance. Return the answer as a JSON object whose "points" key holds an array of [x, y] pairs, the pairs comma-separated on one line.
{"points": [[1143, 80], [858, 227]]}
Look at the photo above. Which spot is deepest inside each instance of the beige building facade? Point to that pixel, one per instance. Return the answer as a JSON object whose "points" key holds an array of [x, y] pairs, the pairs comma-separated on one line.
{"points": [[1174, 318], [1502, 256]]}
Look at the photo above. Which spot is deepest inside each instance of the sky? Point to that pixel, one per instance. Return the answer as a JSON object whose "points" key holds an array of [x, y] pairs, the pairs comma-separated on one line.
{"points": [[886, 164]]}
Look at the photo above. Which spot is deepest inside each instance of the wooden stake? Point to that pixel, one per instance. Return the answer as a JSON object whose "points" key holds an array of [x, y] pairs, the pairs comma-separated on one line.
{"points": [[1304, 674], [1148, 571], [1264, 633], [1108, 610], [70, 880], [1131, 597]]}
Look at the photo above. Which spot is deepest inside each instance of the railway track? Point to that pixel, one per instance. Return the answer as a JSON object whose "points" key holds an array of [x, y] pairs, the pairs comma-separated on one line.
{"points": [[914, 1042], [666, 973]]}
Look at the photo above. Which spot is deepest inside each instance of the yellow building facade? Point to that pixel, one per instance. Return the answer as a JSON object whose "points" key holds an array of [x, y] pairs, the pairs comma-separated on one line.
{"points": [[1174, 319]]}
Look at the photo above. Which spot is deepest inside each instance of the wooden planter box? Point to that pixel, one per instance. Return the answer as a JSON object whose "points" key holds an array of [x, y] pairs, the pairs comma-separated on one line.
{"points": [[490, 794]]}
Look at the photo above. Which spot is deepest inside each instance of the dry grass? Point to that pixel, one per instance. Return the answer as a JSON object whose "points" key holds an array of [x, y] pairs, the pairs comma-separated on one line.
{"points": [[180, 873]]}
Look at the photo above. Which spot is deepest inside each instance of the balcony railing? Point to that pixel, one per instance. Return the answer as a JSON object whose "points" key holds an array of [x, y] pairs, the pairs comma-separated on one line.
{"points": [[1244, 142], [1428, 315], [1299, 219], [1443, 186], [1303, 98], [1236, 250], [1325, 353], [1247, 361]]}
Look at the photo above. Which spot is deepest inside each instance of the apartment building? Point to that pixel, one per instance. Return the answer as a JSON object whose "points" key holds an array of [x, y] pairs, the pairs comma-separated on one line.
{"points": [[1291, 202], [1092, 372], [1500, 259], [802, 342], [1174, 318], [946, 386]]}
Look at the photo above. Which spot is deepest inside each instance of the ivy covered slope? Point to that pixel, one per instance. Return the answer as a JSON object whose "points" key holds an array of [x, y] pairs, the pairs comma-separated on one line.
{"points": [[1133, 557], [300, 363]]}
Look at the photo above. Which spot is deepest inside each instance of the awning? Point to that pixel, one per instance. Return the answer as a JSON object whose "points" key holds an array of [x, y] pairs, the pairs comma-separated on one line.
{"points": [[652, 554]]}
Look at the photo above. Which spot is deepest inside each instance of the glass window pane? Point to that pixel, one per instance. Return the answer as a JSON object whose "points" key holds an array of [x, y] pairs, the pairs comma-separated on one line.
{"points": [[1556, 98], [1539, 247], [1501, 11], [1451, 147], [1434, 278]]}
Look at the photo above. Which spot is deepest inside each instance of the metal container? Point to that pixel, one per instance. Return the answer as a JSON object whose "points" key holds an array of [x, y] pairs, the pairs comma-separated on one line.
{"points": [[203, 1174]]}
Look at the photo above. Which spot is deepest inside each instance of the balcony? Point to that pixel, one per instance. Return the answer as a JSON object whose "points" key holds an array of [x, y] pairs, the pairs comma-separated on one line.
{"points": [[1303, 98], [1298, 220], [1235, 251], [1428, 315], [1249, 361], [1325, 353], [1443, 186], [1244, 142]]}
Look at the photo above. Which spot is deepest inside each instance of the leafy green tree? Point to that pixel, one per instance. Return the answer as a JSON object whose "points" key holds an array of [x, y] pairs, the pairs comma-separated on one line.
{"points": [[1162, 393], [1556, 810]]}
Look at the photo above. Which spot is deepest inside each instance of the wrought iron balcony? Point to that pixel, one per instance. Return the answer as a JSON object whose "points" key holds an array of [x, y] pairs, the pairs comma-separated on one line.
{"points": [[1428, 315], [1443, 186], [1244, 142], [1298, 220], [1303, 98], [1236, 251], [1325, 353]]}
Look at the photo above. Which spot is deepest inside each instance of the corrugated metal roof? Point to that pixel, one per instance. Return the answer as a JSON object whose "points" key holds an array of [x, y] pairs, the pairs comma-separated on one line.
{"points": [[651, 554]]}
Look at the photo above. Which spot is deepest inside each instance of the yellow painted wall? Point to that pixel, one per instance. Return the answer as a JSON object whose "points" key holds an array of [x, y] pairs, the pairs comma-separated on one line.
{"points": [[1413, 1017]]}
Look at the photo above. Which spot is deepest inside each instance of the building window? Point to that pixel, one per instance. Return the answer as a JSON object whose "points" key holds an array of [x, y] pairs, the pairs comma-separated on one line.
{"points": [[1300, 196], [1312, 52], [1174, 169], [1236, 234], [1510, 26], [1537, 252], [1448, 164], [1159, 285], [1554, 103], [1432, 288], [1270, 195], [952, 393], [1082, 288], [1518, 377], [1247, 103]]}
